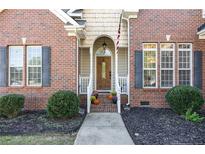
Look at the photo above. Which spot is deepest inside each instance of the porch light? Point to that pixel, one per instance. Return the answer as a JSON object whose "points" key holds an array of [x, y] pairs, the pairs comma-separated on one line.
{"points": [[104, 45]]}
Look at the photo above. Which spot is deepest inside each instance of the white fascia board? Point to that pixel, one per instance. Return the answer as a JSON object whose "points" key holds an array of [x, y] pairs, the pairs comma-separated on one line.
{"points": [[202, 32], [63, 16], [75, 14], [71, 10], [76, 27]]}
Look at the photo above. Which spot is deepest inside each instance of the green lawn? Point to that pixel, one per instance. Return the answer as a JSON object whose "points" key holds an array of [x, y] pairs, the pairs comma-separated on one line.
{"points": [[39, 139]]}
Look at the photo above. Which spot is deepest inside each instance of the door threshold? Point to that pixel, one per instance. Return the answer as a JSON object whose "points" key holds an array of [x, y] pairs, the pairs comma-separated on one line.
{"points": [[104, 91]]}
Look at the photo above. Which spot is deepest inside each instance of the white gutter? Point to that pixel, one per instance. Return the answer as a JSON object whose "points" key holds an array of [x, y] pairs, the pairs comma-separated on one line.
{"points": [[128, 76], [77, 66], [128, 35]]}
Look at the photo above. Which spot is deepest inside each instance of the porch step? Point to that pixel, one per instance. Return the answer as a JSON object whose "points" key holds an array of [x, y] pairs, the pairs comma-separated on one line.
{"points": [[106, 105]]}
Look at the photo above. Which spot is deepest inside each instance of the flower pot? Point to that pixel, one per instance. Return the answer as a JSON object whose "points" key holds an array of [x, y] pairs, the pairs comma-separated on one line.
{"points": [[97, 102], [109, 97], [114, 99]]}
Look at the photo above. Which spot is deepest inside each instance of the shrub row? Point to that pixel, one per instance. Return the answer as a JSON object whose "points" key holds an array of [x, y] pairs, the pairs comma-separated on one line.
{"points": [[11, 105]]}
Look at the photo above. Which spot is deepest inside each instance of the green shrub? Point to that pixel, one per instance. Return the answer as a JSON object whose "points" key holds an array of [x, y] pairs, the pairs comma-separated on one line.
{"points": [[182, 98], [193, 116], [63, 104], [114, 93], [11, 105], [92, 98]]}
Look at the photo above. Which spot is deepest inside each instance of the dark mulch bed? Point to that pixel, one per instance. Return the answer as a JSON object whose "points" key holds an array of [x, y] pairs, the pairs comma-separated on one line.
{"points": [[162, 126], [29, 122]]}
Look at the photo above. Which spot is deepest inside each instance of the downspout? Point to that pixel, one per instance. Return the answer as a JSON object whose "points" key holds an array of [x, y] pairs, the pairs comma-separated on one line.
{"points": [[77, 65], [128, 25], [128, 35]]}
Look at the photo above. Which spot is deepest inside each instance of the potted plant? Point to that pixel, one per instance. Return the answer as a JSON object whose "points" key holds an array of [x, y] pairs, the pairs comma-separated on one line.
{"points": [[96, 102], [95, 93], [110, 96], [92, 99], [114, 99], [114, 93]]}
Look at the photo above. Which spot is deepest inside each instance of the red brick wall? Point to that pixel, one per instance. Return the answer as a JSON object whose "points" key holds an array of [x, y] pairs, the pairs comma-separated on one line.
{"points": [[153, 26], [41, 27]]}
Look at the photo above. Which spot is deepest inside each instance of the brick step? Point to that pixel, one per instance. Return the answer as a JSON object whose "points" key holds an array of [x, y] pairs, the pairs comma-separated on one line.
{"points": [[106, 105]]}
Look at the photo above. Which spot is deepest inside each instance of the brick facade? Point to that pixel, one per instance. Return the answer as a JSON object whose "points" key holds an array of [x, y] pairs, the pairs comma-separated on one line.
{"points": [[153, 26], [41, 27]]}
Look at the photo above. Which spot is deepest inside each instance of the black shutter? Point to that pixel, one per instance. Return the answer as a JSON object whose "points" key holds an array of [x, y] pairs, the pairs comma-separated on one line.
{"points": [[46, 66], [3, 67], [138, 69], [198, 69]]}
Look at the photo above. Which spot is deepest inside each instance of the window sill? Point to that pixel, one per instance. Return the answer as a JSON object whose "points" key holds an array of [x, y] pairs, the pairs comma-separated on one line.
{"points": [[25, 87]]}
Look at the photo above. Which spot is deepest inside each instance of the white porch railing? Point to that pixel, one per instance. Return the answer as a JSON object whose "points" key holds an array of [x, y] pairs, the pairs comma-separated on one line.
{"points": [[84, 82], [123, 83]]}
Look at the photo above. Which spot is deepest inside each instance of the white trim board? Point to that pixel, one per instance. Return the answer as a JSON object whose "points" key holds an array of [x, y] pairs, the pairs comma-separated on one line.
{"points": [[63, 16]]}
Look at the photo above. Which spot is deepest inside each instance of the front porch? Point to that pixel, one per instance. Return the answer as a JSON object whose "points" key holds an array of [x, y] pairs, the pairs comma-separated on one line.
{"points": [[104, 70]]}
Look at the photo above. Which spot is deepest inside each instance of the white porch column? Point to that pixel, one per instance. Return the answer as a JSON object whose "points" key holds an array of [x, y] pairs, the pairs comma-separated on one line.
{"points": [[90, 86], [117, 87], [91, 64]]}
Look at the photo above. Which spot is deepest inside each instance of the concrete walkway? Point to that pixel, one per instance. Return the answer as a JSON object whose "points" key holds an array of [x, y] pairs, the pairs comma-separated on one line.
{"points": [[103, 129]]}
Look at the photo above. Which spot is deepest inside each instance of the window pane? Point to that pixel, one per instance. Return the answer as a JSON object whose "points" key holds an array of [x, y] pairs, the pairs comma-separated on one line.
{"points": [[149, 59], [166, 78], [34, 75], [103, 70], [16, 76], [149, 78], [184, 59], [149, 46], [184, 77], [16, 65], [34, 58], [166, 59], [34, 55], [185, 64]]}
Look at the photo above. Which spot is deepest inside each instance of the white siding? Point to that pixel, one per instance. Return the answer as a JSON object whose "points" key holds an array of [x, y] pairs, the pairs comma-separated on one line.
{"points": [[122, 62], [103, 22], [84, 62]]}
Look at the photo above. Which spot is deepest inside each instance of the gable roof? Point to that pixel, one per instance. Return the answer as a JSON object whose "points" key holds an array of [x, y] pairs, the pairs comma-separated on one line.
{"points": [[71, 17], [202, 27]]}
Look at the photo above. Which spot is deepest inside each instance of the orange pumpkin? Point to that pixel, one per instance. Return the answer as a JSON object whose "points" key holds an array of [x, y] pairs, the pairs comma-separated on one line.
{"points": [[109, 97], [96, 102]]}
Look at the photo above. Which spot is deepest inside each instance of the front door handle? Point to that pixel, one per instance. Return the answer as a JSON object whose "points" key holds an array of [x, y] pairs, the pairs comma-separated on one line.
{"points": [[110, 75]]}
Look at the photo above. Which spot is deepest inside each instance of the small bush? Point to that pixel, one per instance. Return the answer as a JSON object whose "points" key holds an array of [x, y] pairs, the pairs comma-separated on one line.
{"points": [[92, 99], [193, 116], [11, 105], [114, 93], [63, 104], [183, 98]]}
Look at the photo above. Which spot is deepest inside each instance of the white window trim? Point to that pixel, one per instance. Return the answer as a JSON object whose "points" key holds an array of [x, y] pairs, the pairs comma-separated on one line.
{"points": [[191, 68], [173, 69], [147, 49], [9, 75], [27, 66], [203, 13]]}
